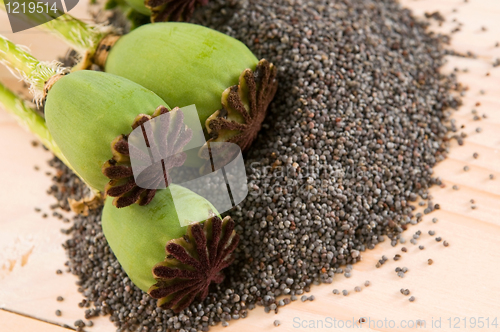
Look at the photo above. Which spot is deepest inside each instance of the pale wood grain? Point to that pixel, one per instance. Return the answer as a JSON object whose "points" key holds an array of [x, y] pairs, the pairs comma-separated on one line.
{"points": [[462, 282], [13, 322]]}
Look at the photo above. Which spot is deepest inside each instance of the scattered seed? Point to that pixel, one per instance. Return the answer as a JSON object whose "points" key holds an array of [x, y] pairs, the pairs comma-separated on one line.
{"points": [[421, 247], [434, 220], [59, 271], [79, 323], [466, 168], [404, 249], [357, 289], [491, 176], [475, 155], [277, 323], [335, 291], [60, 298], [438, 239], [411, 299], [345, 292], [367, 283], [432, 232], [430, 261], [445, 243], [58, 313]]}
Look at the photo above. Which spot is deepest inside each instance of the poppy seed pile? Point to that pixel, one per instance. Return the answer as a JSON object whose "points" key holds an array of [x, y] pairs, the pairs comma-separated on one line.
{"points": [[360, 118]]}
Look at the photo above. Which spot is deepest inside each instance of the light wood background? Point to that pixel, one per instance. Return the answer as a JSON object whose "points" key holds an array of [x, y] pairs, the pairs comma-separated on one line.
{"points": [[463, 282]]}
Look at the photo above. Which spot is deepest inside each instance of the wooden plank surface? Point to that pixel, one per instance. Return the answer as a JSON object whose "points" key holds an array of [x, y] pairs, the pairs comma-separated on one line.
{"points": [[14, 322], [462, 283]]}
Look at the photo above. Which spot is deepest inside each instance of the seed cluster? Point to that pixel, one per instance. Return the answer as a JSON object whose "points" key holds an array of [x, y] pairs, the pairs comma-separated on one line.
{"points": [[351, 138], [358, 122]]}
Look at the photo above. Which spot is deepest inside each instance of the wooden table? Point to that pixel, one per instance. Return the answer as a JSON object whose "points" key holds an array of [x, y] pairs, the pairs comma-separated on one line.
{"points": [[462, 283]]}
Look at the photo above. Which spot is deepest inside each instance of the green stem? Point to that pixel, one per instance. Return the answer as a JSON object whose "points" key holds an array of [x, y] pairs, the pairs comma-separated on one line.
{"points": [[78, 35], [22, 63], [29, 119]]}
